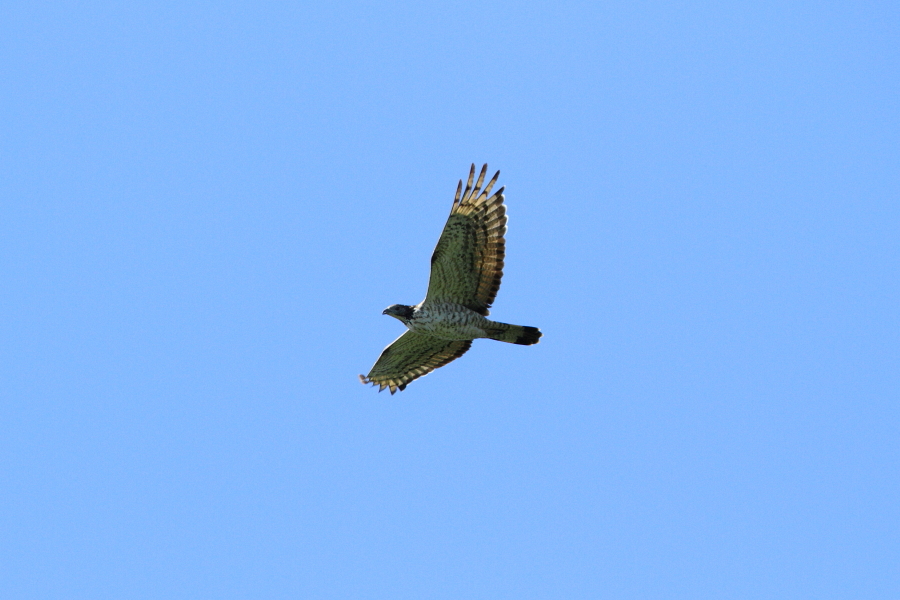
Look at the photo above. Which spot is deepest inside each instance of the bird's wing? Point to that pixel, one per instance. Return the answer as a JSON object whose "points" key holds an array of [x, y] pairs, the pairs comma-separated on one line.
{"points": [[409, 357], [467, 263]]}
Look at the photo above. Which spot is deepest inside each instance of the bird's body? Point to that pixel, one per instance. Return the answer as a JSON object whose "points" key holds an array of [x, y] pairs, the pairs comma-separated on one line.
{"points": [[450, 321], [466, 269]]}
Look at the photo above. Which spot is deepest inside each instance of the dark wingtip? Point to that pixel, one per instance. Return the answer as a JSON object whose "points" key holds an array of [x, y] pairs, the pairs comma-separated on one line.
{"points": [[530, 335]]}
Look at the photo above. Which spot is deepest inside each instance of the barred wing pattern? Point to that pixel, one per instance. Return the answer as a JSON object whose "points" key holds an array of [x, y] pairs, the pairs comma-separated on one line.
{"points": [[467, 263], [409, 357]]}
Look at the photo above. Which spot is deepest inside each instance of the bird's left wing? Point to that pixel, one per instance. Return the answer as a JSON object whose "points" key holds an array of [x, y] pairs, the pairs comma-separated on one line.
{"points": [[410, 356], [467, 263]]}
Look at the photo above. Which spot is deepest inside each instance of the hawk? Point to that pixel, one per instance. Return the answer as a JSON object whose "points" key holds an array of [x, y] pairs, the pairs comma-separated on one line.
{"points": [[466, 268]]}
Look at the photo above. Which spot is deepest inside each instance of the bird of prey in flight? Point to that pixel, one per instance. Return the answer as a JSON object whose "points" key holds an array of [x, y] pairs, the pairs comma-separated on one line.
{"points": [[466, 269]]}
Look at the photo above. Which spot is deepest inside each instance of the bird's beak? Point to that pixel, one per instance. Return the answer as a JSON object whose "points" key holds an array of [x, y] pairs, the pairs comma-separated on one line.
{"points": [[384, 312]]}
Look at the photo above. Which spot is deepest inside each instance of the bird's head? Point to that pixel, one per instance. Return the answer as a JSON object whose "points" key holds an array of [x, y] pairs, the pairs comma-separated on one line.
{"points": [[399, 311]]}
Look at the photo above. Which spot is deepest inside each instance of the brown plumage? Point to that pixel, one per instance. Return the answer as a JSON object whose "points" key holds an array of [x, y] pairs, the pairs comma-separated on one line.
{"points": [[467, 264], [410, 356], [466, 269]]}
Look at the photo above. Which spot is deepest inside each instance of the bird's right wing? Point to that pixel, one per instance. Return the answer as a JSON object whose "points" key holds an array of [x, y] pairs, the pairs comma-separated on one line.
{"points": [[409, 357]]}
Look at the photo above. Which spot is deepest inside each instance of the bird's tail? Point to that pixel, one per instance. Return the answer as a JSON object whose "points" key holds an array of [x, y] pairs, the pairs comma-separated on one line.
{"points": [[514, 334]]}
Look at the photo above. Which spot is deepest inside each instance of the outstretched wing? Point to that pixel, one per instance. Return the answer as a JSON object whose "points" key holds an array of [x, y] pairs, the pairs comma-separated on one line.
{"points": [[409, 357], [467, 263]]}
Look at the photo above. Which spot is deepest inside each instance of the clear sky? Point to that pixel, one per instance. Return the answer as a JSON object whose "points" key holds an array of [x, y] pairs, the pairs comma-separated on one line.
{"points": [[204, 208]]}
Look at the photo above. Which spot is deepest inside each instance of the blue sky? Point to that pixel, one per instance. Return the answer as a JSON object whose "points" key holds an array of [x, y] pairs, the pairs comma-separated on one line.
{"points": [[204, 208]]}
